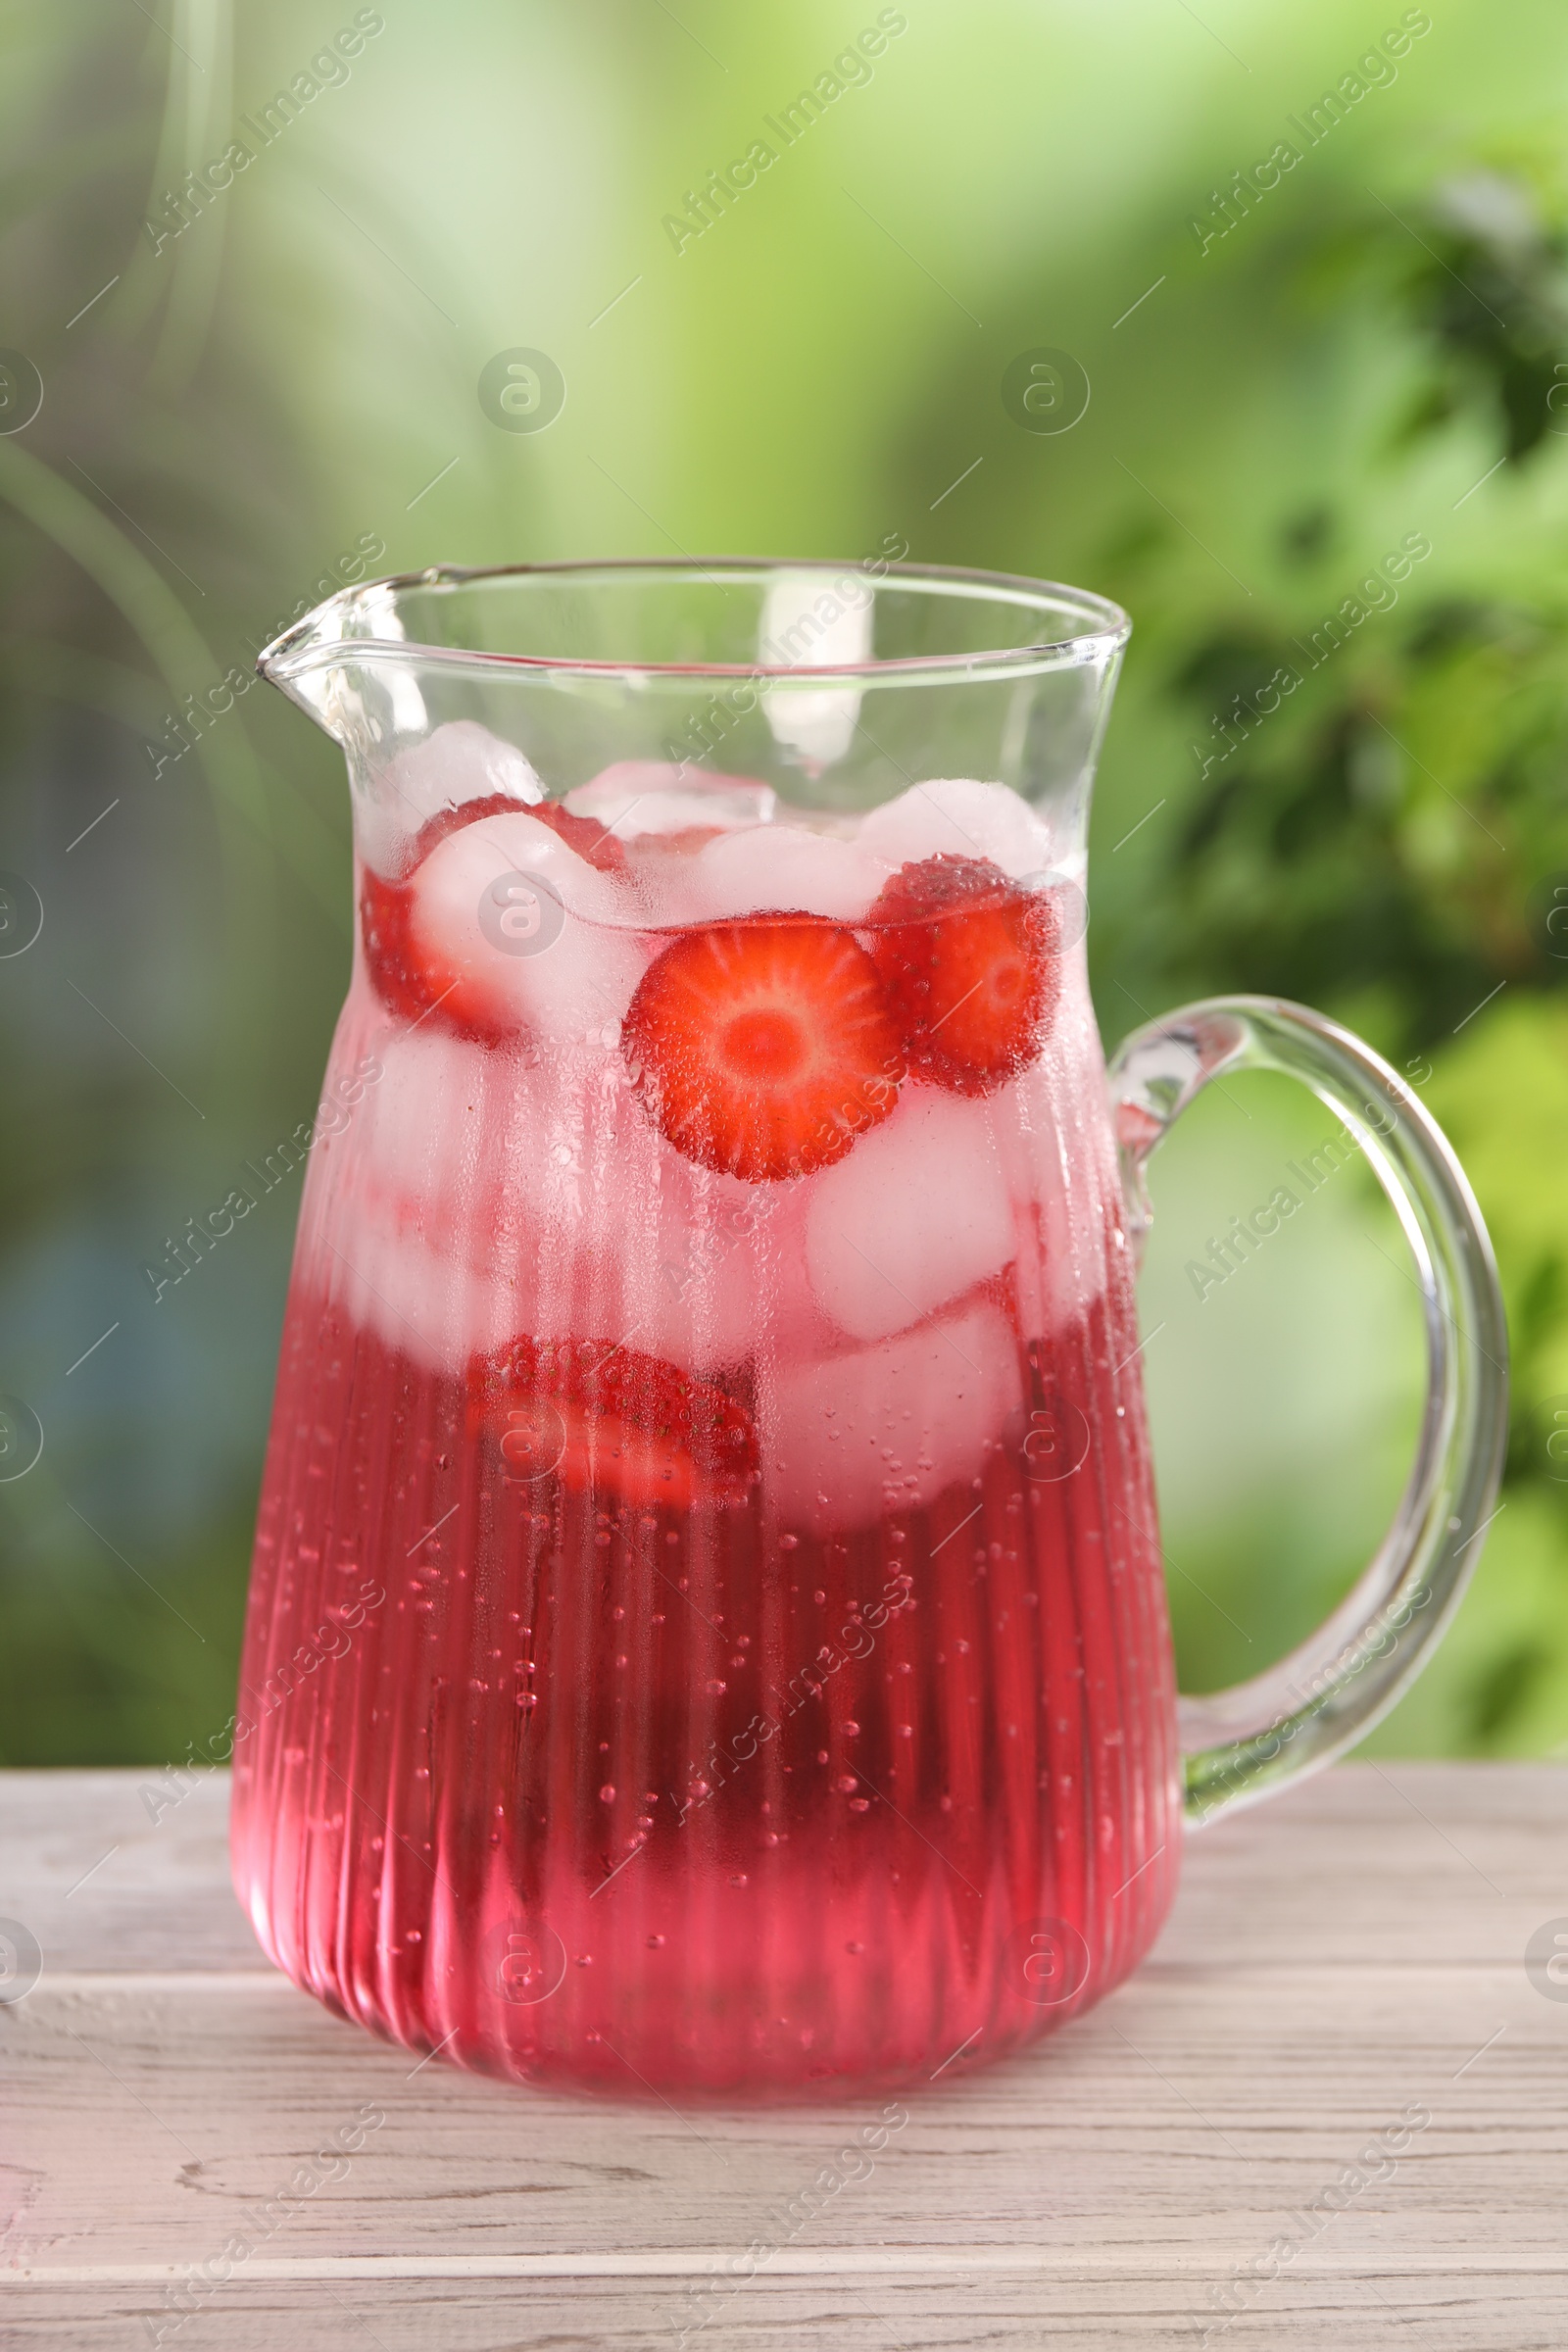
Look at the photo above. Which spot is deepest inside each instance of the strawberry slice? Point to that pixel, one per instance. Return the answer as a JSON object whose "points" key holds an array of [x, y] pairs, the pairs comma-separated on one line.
{"points": [[764, 1048], [969, 961], [401, 977], [584, 834], [605, 1419], [394, 974], [409, 980]]}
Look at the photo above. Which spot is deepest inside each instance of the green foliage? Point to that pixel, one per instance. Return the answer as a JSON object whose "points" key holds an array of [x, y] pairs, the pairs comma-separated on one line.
{"points": [[1395, 826], [1381, 811], [1491, 296]]}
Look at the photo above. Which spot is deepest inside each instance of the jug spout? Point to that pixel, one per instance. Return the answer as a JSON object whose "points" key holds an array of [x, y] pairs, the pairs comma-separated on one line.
{"points": [[322, 663]]}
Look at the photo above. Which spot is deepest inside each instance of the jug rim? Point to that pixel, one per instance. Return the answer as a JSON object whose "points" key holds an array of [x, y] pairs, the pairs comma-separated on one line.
{"points": [[323, 635]]}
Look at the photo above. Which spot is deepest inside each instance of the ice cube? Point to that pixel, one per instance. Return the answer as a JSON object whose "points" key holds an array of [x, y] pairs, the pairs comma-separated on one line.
{"points": [[376, 1263], [618, 1215], [850, 1437], [815, 620], [458, 762], [420, 1123], [640, 797], [1055, 1151], [697, 1268], [411, 1210], [964, 817], [917, 1213], [487, 1198], [540, 937], [787, 867]]}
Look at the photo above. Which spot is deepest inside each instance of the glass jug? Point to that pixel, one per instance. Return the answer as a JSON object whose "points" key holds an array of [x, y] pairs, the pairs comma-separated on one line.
{"points": [[707, 1632]]}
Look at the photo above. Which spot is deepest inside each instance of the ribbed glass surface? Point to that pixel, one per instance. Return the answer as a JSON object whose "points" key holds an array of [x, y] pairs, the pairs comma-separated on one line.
{"points": [[602, 1763]]}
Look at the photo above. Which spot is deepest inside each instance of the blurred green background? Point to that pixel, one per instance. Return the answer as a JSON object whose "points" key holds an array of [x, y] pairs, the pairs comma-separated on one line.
{"points": [[1287, 382]]}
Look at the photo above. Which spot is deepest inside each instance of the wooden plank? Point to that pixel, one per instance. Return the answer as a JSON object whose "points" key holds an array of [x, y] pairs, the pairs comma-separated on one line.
{"points": [[1345, 1958], [1450, 1847], [1165, 2129], [119, 1872], [1498, 2312]]}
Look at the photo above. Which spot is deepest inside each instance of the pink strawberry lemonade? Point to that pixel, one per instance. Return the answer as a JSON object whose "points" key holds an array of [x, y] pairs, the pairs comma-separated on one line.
{"points": [[706, 1633]]}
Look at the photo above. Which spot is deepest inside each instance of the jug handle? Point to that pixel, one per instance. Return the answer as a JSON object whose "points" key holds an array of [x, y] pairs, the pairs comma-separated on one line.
{"points": [[1243, 1744]]}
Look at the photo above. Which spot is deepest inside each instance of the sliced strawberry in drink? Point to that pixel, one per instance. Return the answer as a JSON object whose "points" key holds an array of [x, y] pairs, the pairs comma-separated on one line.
{"points": [[584, 834], [764, 1048], [605, 1419], [467, 812], [389, 959], [401, 977], [413, 968], [969, 960], [684, 844]]}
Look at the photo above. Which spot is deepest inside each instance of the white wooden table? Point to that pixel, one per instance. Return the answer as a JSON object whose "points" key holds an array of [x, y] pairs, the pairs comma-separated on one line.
{"points": [[1179, 2167]]}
